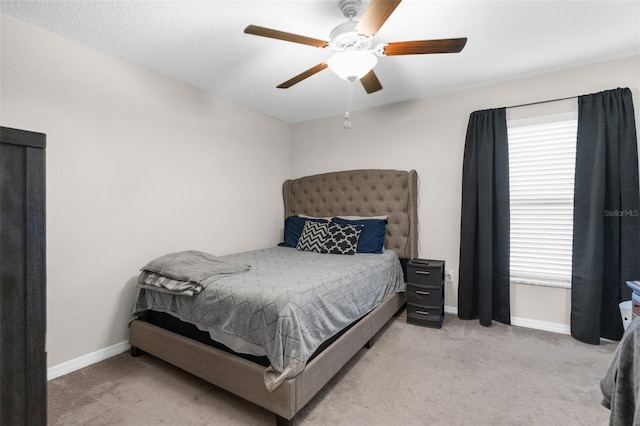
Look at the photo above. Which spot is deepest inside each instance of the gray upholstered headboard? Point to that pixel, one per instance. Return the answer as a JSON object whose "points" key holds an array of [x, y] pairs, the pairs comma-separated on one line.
{"points": [[372, 192]]}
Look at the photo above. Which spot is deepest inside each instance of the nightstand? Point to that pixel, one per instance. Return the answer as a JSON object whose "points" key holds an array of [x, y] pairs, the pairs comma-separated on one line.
{"points": [[425, 292]]}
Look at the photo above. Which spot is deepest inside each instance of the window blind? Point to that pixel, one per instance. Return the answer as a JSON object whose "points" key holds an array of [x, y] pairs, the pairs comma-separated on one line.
{"points": [[541, 180]]}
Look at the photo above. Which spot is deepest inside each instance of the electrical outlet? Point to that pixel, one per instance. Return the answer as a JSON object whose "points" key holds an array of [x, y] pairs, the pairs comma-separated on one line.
{"points": [[448, 276]]}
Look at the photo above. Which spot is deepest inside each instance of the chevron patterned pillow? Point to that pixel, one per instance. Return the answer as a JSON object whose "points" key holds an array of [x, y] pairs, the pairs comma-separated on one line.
{"points": [[313, 236]]}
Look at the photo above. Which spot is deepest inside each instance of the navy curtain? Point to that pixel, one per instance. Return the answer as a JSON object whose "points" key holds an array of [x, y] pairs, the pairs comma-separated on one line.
{"points": [[483, 290], [606, 228]]}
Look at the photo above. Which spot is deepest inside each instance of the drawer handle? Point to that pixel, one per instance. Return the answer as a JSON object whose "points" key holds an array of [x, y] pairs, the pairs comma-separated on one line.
{"points": [[422, 312], [426, 293], [423, 272]]}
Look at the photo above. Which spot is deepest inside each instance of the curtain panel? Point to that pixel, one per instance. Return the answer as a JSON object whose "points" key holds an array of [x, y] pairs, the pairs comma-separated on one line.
{"points": [[606, 234], [483, 290]]}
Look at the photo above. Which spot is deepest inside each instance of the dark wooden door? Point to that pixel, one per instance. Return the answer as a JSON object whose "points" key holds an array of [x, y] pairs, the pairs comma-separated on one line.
{"points": [[23, 365]]}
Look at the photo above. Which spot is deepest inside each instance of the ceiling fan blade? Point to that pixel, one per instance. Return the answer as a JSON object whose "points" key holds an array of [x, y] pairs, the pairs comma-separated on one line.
{"points": [[376, 15], [420, 47], [370, 82], [298, 78], [281, 35]]}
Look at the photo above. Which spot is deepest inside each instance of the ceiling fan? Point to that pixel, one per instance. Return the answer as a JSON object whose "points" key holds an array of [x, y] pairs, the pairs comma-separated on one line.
{"points": [[354, 59]]}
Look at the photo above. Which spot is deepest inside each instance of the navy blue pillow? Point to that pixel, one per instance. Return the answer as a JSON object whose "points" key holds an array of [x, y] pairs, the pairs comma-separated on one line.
{"points": [[293, 226], [372, 236]]}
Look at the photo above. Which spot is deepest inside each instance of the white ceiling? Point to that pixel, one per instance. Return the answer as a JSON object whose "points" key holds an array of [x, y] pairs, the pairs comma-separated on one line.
{"points": [[202, 43]]}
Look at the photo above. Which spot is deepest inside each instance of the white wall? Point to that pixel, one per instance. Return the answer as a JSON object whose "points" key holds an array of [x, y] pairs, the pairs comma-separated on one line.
{"points": [[428, 135], [138, 165]]}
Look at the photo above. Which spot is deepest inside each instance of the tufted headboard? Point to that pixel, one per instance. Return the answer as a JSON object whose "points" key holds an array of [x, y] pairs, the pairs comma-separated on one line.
{"points": [[373, 192]]}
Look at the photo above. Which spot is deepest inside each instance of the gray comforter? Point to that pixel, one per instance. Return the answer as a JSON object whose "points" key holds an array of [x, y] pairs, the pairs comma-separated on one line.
{"points": [[286, 305]]}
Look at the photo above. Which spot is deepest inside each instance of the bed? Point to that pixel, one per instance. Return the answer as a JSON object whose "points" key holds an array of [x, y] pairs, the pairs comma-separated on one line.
{"points": [[285, 383]]}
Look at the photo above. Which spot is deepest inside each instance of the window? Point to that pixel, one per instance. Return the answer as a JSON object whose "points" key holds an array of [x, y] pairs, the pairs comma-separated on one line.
{"points": [[542, 155]]}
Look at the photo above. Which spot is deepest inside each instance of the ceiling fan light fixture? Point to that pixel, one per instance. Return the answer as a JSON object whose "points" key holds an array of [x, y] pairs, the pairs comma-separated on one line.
{"points": [[352, 64]]}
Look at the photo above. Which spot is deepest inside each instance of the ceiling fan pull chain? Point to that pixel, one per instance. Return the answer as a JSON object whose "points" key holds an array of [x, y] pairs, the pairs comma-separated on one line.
{"points": [[347, 119]]}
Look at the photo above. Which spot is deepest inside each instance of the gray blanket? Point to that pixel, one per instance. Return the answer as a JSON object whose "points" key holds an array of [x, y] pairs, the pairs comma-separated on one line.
{"points": [[186, 272], [620, 384], [286, 305]]}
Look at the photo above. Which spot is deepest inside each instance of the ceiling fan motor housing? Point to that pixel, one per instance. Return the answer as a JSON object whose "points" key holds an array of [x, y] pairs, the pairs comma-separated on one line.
{"points": [[345, 37]]}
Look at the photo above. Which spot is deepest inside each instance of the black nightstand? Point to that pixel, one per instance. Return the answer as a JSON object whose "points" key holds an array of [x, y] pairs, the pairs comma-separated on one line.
{"points": [[425, 292]]}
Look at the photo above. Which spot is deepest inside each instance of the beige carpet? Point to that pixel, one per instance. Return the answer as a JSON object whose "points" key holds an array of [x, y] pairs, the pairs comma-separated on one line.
{"points": [[462, 374]]}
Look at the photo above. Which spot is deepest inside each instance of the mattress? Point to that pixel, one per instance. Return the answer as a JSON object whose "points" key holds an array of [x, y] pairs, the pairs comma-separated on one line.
{"points": [[286, 305]]}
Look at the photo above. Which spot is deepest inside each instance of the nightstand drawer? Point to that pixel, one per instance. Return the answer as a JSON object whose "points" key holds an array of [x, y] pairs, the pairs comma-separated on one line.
{"points": [[430, 317], [425, 276], [424, 296]]}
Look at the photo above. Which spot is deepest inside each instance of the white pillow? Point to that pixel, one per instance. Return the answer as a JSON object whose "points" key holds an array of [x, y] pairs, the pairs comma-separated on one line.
{"points": [[363, 217], [313, 217]]}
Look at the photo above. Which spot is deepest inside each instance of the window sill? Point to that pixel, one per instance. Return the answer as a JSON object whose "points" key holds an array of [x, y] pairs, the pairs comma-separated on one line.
{"points": [[542, 284]]}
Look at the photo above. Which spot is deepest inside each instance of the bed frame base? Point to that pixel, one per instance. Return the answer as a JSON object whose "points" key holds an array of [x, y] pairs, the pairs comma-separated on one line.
{"points": [[281, 421], [245, 378]]}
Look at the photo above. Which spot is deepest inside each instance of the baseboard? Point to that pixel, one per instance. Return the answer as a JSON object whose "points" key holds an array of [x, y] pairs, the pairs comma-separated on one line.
{"points": [[86, 360], [450, 310], [526, 322], [541, 325]]}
